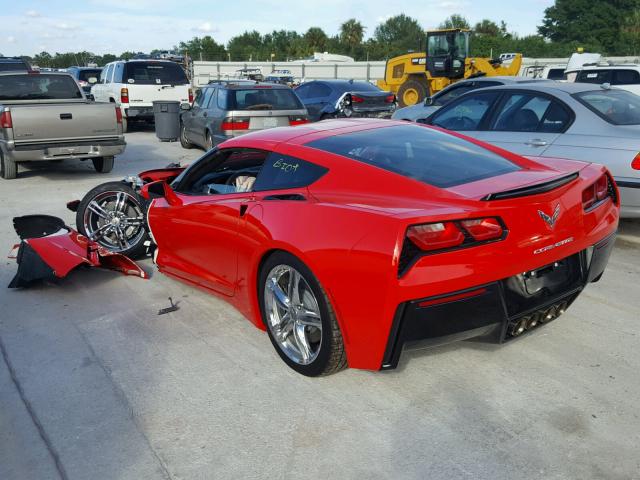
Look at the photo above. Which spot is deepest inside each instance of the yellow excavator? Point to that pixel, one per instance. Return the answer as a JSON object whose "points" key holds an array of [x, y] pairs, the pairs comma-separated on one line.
{"points": [[415, 76]]}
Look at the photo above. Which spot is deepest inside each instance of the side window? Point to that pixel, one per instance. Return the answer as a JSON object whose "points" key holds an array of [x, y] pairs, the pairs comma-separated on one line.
{"points": [[531, 113], [199, 97], [625, 77], [319, 90], [452, 93], [222, 98], [103, 74], [223, 172], [282, 172], [303, 91], [109, 73], [117, 76], [212, 101], [466, 113], [207, 97]]}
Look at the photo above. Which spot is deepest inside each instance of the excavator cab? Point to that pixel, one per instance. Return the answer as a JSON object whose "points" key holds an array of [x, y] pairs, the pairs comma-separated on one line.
{"points": [[447, 51]]}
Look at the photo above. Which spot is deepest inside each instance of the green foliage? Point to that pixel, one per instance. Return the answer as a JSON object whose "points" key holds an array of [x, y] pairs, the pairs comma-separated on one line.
{"points": [[455, 21], [601, 22], [396, 36]]}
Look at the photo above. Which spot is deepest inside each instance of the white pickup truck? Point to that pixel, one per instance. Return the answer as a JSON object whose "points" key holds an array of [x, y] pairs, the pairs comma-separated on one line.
{"points": [[45, 116], [134, 85]]}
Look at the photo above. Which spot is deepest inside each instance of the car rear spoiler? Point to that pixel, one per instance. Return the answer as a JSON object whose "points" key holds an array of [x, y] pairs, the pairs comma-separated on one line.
{"points": [[532, 189]]}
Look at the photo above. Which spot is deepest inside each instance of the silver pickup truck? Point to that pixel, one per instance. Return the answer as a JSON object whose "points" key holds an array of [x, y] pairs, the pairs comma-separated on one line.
{"points": [[45, 116]]}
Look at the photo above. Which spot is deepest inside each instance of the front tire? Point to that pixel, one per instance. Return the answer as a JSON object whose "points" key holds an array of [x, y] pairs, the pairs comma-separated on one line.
{"points": [[184, 140], [412, 92], [8, 167], [300, 320], [114, 216], [103, 164]]}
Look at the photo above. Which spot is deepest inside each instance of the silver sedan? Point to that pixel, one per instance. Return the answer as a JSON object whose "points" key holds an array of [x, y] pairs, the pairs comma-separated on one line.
{"points": [[567, 120]]}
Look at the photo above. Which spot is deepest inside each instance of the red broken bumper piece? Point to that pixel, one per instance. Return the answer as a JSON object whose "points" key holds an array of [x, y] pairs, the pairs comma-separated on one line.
{"points": [[50, 249]]}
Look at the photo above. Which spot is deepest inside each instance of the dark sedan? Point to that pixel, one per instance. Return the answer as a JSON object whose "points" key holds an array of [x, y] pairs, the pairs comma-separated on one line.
{"points": [[345, 98]]}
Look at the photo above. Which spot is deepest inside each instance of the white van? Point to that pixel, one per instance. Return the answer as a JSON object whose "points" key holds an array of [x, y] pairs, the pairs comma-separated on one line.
{"points": [[134, 84], [626, 76]]}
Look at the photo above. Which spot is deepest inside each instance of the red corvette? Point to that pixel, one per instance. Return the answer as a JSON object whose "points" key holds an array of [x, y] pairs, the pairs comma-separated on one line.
{"points": [[347, 240]]}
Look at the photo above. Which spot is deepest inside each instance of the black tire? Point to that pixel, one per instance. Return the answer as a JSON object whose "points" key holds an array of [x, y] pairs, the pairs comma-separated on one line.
{"points": [[102, 164], [8, 168], [184, 141], [412, 88], [125, 124], [331, 356], [86, 224]]}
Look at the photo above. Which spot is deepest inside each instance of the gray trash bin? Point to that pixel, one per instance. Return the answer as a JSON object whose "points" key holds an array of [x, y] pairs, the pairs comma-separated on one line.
{"points": [[167, 117]]}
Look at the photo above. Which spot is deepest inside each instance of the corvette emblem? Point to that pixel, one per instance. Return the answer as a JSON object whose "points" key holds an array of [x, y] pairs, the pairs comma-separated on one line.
{"points": [[550, 220]]}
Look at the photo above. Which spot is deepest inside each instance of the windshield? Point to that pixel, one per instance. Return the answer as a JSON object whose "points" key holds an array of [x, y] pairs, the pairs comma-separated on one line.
{"points": [[154, 73], [38, 87], [615, 106], [263, 99], [424, 154]]}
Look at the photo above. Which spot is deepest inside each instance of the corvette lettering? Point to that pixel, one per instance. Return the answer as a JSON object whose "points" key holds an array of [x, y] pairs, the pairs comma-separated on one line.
{"points": [[551, 247]]}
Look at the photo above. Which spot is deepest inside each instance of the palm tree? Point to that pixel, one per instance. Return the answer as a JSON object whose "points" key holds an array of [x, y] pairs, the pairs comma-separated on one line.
{"points": [[351, 33]]}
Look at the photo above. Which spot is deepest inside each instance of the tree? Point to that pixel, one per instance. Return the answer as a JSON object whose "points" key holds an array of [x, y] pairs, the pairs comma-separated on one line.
{"points": [[247, 46], [315, 39], [586, 21], [211, 51], [488, 28], [397, 35], [351, 33], [455, 21]]}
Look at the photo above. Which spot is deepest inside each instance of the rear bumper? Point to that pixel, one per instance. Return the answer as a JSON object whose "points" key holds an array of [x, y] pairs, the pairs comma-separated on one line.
{"points": [[141, 113], [629, 197], [65, 150], [495, 311]]}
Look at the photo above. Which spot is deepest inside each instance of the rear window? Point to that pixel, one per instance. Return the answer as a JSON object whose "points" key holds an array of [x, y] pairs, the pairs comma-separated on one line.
{"points": [[556, 74], [615, 106], [594, 76], [154, 73], [262, 99], [38, 87], [423, 154], [13, 65], [85, 75]]}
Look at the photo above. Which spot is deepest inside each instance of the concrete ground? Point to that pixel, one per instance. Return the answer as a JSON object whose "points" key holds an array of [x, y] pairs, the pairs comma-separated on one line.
{"points": [[94, 384]]}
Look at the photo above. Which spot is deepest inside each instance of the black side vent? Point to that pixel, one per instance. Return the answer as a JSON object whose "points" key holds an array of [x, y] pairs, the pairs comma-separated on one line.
{"points": [[533, 189], [410, 252]]}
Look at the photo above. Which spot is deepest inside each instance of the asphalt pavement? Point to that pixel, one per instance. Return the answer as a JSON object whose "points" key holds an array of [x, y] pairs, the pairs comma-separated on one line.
{"points": [[95, 385]]}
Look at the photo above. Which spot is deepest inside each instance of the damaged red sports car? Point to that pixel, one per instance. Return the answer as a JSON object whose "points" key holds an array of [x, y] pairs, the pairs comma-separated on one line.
{"points": [[347, 240]]}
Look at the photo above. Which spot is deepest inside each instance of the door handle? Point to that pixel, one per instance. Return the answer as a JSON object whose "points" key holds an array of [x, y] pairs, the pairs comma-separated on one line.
{"points": [[204, 114], [536, 142]]}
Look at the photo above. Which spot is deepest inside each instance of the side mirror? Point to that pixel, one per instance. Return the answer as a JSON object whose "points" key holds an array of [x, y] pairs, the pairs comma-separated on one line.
{"points": [[428, 101], [160, 189], [185, 106]]}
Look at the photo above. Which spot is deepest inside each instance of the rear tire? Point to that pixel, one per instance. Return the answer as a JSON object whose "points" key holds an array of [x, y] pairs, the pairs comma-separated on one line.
{"points": [[97, 209], [412, 92], [103, 164], [8, 167], [184, 141], [125, 124], [290, 327]]}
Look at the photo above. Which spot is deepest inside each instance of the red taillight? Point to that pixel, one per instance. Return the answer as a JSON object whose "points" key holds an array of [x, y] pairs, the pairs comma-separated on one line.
{"points": [[235, 124], [124, 95], [118, 115], [293, 120], [190, 96], [356, 99], [635, 163], [596, 192], [451, 234], [5, 120], [435, 236], [483, 229], [390, 98]]}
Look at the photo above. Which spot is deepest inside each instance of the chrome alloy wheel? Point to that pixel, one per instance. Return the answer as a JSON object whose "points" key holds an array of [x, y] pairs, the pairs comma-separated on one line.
{"points": [[293, 314], [115, 220]]}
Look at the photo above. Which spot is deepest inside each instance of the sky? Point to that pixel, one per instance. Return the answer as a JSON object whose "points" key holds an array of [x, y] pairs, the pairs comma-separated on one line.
{"points": [[107, 26]]}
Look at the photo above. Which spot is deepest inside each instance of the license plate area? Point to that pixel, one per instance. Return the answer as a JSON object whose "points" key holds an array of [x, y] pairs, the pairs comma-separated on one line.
{"points": [[531, 289], [67, 151], [264, 122]]}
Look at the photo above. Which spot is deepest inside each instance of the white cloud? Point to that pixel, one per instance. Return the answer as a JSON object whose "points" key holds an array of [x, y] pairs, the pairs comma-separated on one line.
{"points": [[65, 26], [32, 13], [11, 39], [205, 27]]}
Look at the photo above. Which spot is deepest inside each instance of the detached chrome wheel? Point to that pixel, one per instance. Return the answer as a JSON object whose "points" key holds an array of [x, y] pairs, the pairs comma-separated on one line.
{"points": [[293, 315], [113, 215], [299, 318]]}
